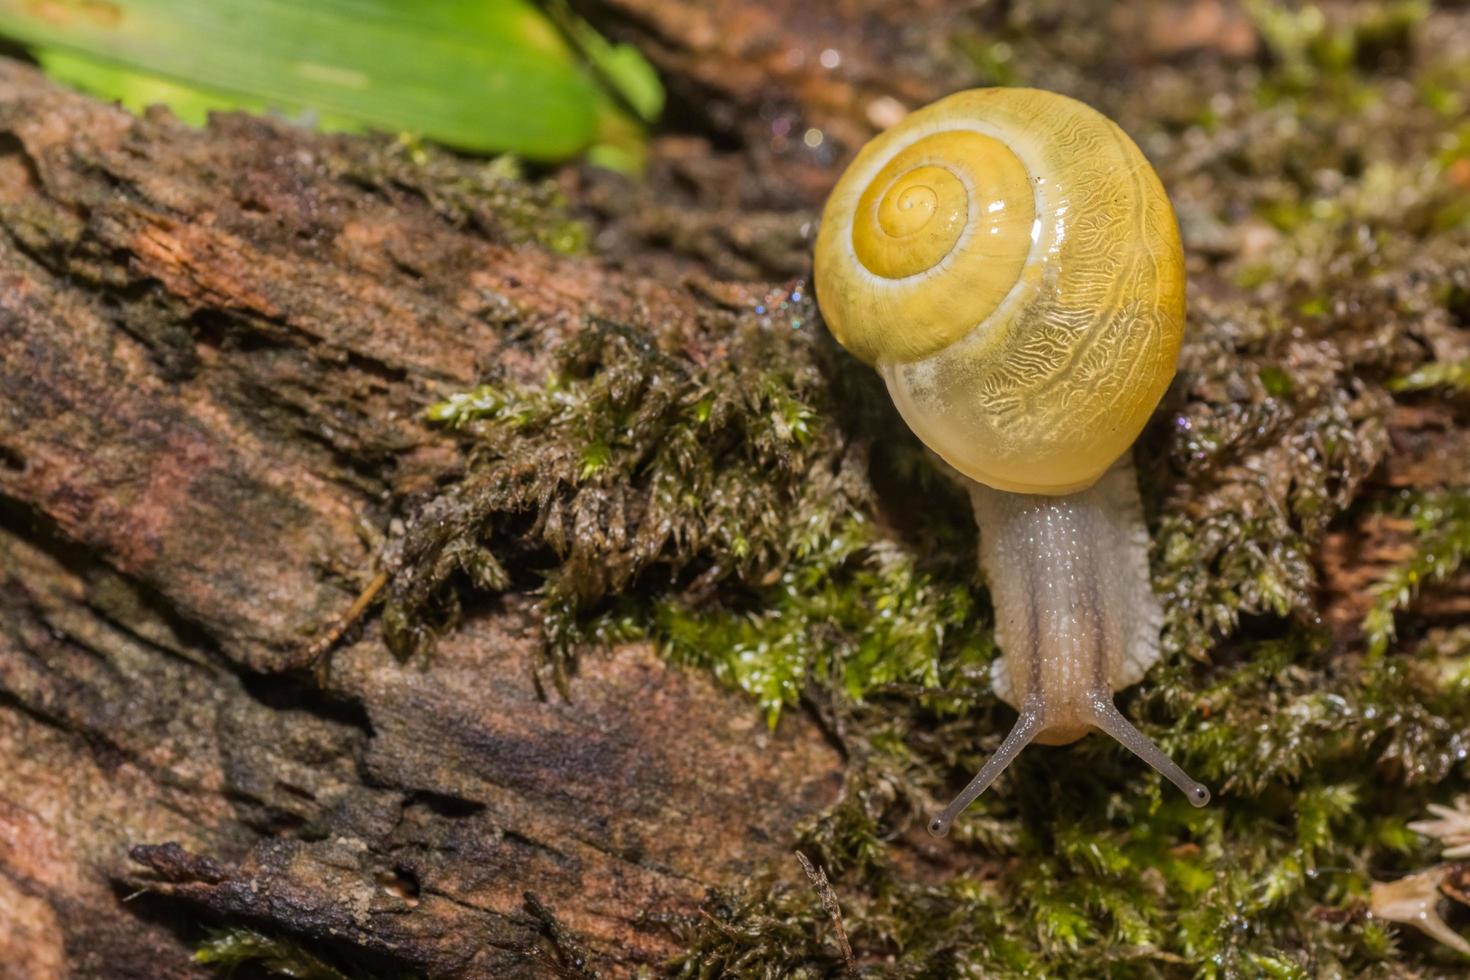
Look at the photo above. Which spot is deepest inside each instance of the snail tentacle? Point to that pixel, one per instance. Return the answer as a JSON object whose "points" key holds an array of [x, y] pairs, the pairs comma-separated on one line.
{"points": [[1027, 727], [1106, 717], [1075, 613]]}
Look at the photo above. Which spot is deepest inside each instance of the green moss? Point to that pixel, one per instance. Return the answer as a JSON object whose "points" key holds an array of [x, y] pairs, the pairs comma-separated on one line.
{"points": [[492, 197], [1454, 375], [648, 477], [992, 60], [229, 951], [856, 613], [1092, 871], [1441, 525], [1311, 49], [751, 511], [1244, 546]]}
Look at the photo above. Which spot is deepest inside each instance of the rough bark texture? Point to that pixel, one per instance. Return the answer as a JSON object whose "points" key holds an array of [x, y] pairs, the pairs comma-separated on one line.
{"points": [[214, 351]]}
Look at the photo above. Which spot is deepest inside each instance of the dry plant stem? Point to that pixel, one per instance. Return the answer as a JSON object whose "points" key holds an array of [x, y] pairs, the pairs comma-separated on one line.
{"points": [[819, 881], [316, 654]]}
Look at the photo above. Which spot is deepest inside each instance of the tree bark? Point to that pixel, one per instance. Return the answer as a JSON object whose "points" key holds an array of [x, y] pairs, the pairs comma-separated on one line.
{"points": [[215, 351], [215, 348]]}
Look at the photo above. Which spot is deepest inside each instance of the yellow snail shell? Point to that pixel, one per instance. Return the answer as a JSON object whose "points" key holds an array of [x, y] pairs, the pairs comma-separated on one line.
{"points": [[1009, 262]]}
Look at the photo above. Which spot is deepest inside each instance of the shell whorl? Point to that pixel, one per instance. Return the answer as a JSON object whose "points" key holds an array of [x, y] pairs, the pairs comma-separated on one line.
{"points": [[1009, 262]]}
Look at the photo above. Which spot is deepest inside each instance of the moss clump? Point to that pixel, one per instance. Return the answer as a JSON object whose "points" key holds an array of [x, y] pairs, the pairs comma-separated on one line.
{"points": [[856, 613], [1264, 476], [234, 949], [1083, 866], [746, 501], [492, 197], [724, 507], [1441, 525], [1454, 375], [608, 472]]}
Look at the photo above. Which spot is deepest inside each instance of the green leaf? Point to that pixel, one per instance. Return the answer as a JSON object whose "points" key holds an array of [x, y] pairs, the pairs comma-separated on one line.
{"points": [[481, 75], [137, 91], [620, 65]]}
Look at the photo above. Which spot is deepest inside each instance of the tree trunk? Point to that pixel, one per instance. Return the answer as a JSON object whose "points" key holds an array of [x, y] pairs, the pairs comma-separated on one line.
{"points": [[215, 350]]}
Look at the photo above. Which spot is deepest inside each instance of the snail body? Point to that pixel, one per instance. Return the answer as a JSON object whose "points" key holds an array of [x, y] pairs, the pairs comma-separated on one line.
{"points": [[1009, 263]]}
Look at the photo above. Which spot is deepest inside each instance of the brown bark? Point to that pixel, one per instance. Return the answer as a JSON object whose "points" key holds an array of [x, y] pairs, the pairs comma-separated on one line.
{"points": [[741, 67], [214, 349]]}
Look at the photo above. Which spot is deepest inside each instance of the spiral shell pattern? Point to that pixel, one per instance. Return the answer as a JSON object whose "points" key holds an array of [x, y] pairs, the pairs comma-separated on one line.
{"points": [[1010, 263]]}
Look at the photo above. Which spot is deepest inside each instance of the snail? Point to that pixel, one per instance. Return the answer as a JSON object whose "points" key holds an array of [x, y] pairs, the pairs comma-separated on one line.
{"points": [[1009, 263]]}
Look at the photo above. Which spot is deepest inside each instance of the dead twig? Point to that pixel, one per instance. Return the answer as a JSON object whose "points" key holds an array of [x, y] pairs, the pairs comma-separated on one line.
{"points": [[315, 656], [819, 881]]}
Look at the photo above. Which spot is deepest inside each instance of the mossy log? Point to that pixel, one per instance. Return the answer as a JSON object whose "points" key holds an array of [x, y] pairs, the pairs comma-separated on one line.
{"points": [[217, 349], [215, 352]]}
